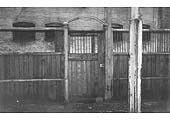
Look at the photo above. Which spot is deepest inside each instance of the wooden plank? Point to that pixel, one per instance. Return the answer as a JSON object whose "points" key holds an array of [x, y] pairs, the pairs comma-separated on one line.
{"points": [[108, 53], [62, 66], [27, 80], [135, 61], [49, 67], [92, 79], [2, 67], [74, 86], [58, 65], [56, 60], [53, 66], [80, 90], [40, 29], [88, 78], [34, 53], [101, 64], [85, 77], [70, 77], [168, 75]]}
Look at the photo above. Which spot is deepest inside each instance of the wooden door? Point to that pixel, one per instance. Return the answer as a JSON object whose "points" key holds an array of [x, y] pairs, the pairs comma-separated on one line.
{"points": [[86, 64]]}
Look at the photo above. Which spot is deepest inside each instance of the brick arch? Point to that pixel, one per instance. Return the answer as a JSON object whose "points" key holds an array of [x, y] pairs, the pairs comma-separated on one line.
{"points": [[23, 24], [88, 17]]}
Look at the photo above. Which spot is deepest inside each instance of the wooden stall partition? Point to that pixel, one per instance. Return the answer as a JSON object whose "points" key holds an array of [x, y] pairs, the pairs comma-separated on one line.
{"points": [[34, 75]]}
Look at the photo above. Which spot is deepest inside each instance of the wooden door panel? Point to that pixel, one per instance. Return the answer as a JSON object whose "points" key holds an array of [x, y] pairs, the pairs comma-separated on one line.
{"points": [[85, 76]]}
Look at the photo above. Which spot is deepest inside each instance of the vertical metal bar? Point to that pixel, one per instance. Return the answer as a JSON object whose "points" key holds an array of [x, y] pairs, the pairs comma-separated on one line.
{"points": [[120, 42], [163, 45], [66, 60], [76, 44], [123, 41], [70, 45], [93, 44], [79, 44], [83, 40], [168, 42], [90, 39], [152, 40], [85, 44]]}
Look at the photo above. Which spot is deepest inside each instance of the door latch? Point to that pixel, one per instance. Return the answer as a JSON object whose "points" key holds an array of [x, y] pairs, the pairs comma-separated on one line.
{"points": [[101, 65]]}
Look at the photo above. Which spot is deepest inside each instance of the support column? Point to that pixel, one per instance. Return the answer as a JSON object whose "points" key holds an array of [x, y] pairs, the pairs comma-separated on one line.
{"points": [[66, 95], [135, 61], [108, 53]]}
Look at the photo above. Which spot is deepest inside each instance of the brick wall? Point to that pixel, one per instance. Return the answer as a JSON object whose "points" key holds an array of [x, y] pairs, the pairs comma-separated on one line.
{"points": [[41, 16], [164, 17]]}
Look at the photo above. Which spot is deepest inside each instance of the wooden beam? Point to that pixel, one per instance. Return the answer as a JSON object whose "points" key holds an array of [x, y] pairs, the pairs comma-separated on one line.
{"points": [[108, 53], [135, 61], [66, 61], [33, 53], [30, 80], [39, 29]]}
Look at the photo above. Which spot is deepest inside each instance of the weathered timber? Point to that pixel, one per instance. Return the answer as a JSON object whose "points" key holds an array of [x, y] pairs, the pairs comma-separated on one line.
{"points": [[66, 61], [108, 53], [135, 61]]}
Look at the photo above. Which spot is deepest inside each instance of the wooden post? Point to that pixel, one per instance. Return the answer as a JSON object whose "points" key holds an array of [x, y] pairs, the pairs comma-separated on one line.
{"points": [[135, 61], [108, 53], [66, 61]]}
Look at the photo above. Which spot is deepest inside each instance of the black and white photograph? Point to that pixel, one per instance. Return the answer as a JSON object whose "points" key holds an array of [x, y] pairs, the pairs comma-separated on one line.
{"points": [[84, 59]]}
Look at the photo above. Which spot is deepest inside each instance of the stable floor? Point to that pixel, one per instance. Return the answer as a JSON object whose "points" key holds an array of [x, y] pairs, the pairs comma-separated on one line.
{"points": [[106, 107]]}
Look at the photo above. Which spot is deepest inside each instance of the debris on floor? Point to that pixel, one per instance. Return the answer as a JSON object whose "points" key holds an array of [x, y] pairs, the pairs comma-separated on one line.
{"points": [[105, 107]]}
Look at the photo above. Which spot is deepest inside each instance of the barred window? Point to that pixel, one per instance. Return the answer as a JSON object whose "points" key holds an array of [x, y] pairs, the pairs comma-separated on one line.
{"points": [[23, 36], [117, 35], [50, 35], [146, 36]]}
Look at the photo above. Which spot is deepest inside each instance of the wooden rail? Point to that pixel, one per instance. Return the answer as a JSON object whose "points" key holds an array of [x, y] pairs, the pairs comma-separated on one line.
{"points": [[146, 53], [30, 29], [149, 30], [6, 29], [29, 80], [33, 53], [146, 78]]}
